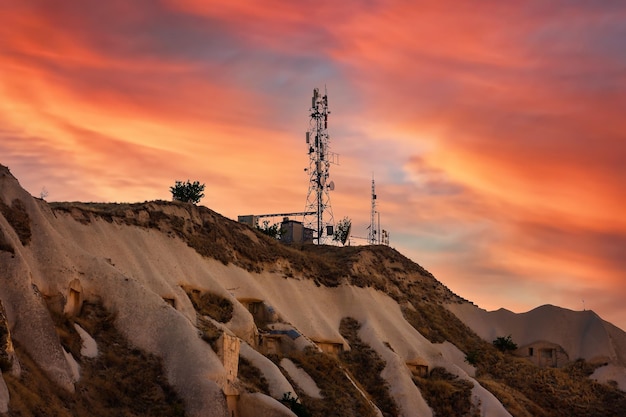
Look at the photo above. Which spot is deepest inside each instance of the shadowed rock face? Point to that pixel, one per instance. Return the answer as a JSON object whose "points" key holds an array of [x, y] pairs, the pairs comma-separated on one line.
{"points": [[6, 347]]}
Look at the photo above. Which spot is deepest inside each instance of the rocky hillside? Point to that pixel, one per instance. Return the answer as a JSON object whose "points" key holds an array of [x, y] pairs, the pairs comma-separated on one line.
{"points": [[169, 309]]}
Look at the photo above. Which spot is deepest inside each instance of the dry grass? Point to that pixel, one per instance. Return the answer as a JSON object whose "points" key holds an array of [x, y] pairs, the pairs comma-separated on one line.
{"points": [[18, 218], [438, 324], [340, 398], [210, 234], [214, 306], [121, 381], [447, 394], [210, 304], [366, 365], [208, 331], [252, 377], [559, 392], [514, 401]]}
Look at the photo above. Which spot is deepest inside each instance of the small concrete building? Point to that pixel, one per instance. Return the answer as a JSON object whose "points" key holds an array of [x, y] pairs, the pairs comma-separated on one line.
{"points": [[294, 232], [277, 342], [327, 346], [291, 231], [544, 354], [249, 219]]}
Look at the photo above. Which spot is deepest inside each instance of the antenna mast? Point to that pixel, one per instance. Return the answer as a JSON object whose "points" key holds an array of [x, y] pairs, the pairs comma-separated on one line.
{"points": [[320, 158], [371, 236]]}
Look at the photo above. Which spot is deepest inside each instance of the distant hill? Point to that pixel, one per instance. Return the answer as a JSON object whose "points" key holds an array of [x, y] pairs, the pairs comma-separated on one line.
{"points": [[170, 309]]}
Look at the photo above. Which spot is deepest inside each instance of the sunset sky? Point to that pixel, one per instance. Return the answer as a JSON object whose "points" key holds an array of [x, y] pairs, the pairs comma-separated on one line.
{"points": [[496, 131]]}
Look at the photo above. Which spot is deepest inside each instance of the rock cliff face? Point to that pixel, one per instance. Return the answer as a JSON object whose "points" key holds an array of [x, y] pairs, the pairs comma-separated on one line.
{"points": [[7, 355], [218, 307], [6, 346]]}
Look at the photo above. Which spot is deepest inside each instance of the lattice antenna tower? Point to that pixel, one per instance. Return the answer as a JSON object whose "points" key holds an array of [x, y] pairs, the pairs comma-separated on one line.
{"points": [[320, 158], [372, 235]]}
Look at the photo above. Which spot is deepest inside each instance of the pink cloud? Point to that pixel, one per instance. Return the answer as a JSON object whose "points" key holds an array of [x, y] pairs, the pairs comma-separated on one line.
{"points": [[495, 131]]}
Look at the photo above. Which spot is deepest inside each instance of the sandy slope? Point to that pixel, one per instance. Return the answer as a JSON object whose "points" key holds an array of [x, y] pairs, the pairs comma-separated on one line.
{"points": [[132, 269]]}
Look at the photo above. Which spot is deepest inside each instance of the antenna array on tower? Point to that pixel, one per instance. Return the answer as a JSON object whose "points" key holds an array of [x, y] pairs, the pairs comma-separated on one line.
{"points": [[320, 158], [372, 235]]}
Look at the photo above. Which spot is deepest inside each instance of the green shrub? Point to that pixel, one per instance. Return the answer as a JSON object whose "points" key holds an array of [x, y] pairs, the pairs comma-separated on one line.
{"points": [[293, 404], [187, 192], [504, 344], [472, 357]]}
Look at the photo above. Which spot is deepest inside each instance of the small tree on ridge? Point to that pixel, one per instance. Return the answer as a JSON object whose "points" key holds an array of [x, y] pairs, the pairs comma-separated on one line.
{"points": [[187, 192], [342, 232]]}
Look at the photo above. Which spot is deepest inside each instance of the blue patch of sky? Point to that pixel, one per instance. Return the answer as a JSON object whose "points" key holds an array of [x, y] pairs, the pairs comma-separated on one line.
{"points": [[595, 38]]}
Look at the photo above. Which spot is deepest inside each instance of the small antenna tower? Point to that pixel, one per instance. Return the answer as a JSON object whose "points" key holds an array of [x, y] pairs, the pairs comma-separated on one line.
{"points": [[320, 158], [371, 236]]}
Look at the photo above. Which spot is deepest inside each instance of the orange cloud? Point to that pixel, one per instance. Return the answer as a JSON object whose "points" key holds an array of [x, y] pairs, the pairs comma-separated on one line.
{"points": [[494, 130]]}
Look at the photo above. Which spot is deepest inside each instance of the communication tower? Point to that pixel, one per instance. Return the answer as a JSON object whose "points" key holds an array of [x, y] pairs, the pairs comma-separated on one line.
{"points": [[320, 158], [372, 235]]}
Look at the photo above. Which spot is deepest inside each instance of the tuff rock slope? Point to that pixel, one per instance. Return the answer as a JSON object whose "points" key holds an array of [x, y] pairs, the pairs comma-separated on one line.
{"points": [[146, 267]]}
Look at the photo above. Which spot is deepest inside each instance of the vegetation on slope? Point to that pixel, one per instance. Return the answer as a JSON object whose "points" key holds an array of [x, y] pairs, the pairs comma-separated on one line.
{"points": [[252, 377], [18, 218], [214, 306], [340, 397], [210, 304], [209, 233], [447, 394], [366, 365], [523, 388], [121, 381]]}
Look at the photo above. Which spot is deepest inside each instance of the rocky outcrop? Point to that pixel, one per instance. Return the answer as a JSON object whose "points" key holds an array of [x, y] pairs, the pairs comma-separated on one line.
{"points": [[6, 358], [6, 346]]}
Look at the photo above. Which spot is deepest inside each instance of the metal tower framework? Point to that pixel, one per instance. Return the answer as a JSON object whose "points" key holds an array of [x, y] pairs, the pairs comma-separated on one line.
{"points": [[372, 235], [320, 158]]}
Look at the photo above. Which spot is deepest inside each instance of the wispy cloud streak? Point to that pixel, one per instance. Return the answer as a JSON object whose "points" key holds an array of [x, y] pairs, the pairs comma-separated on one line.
{"points": [[495, 130]]}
